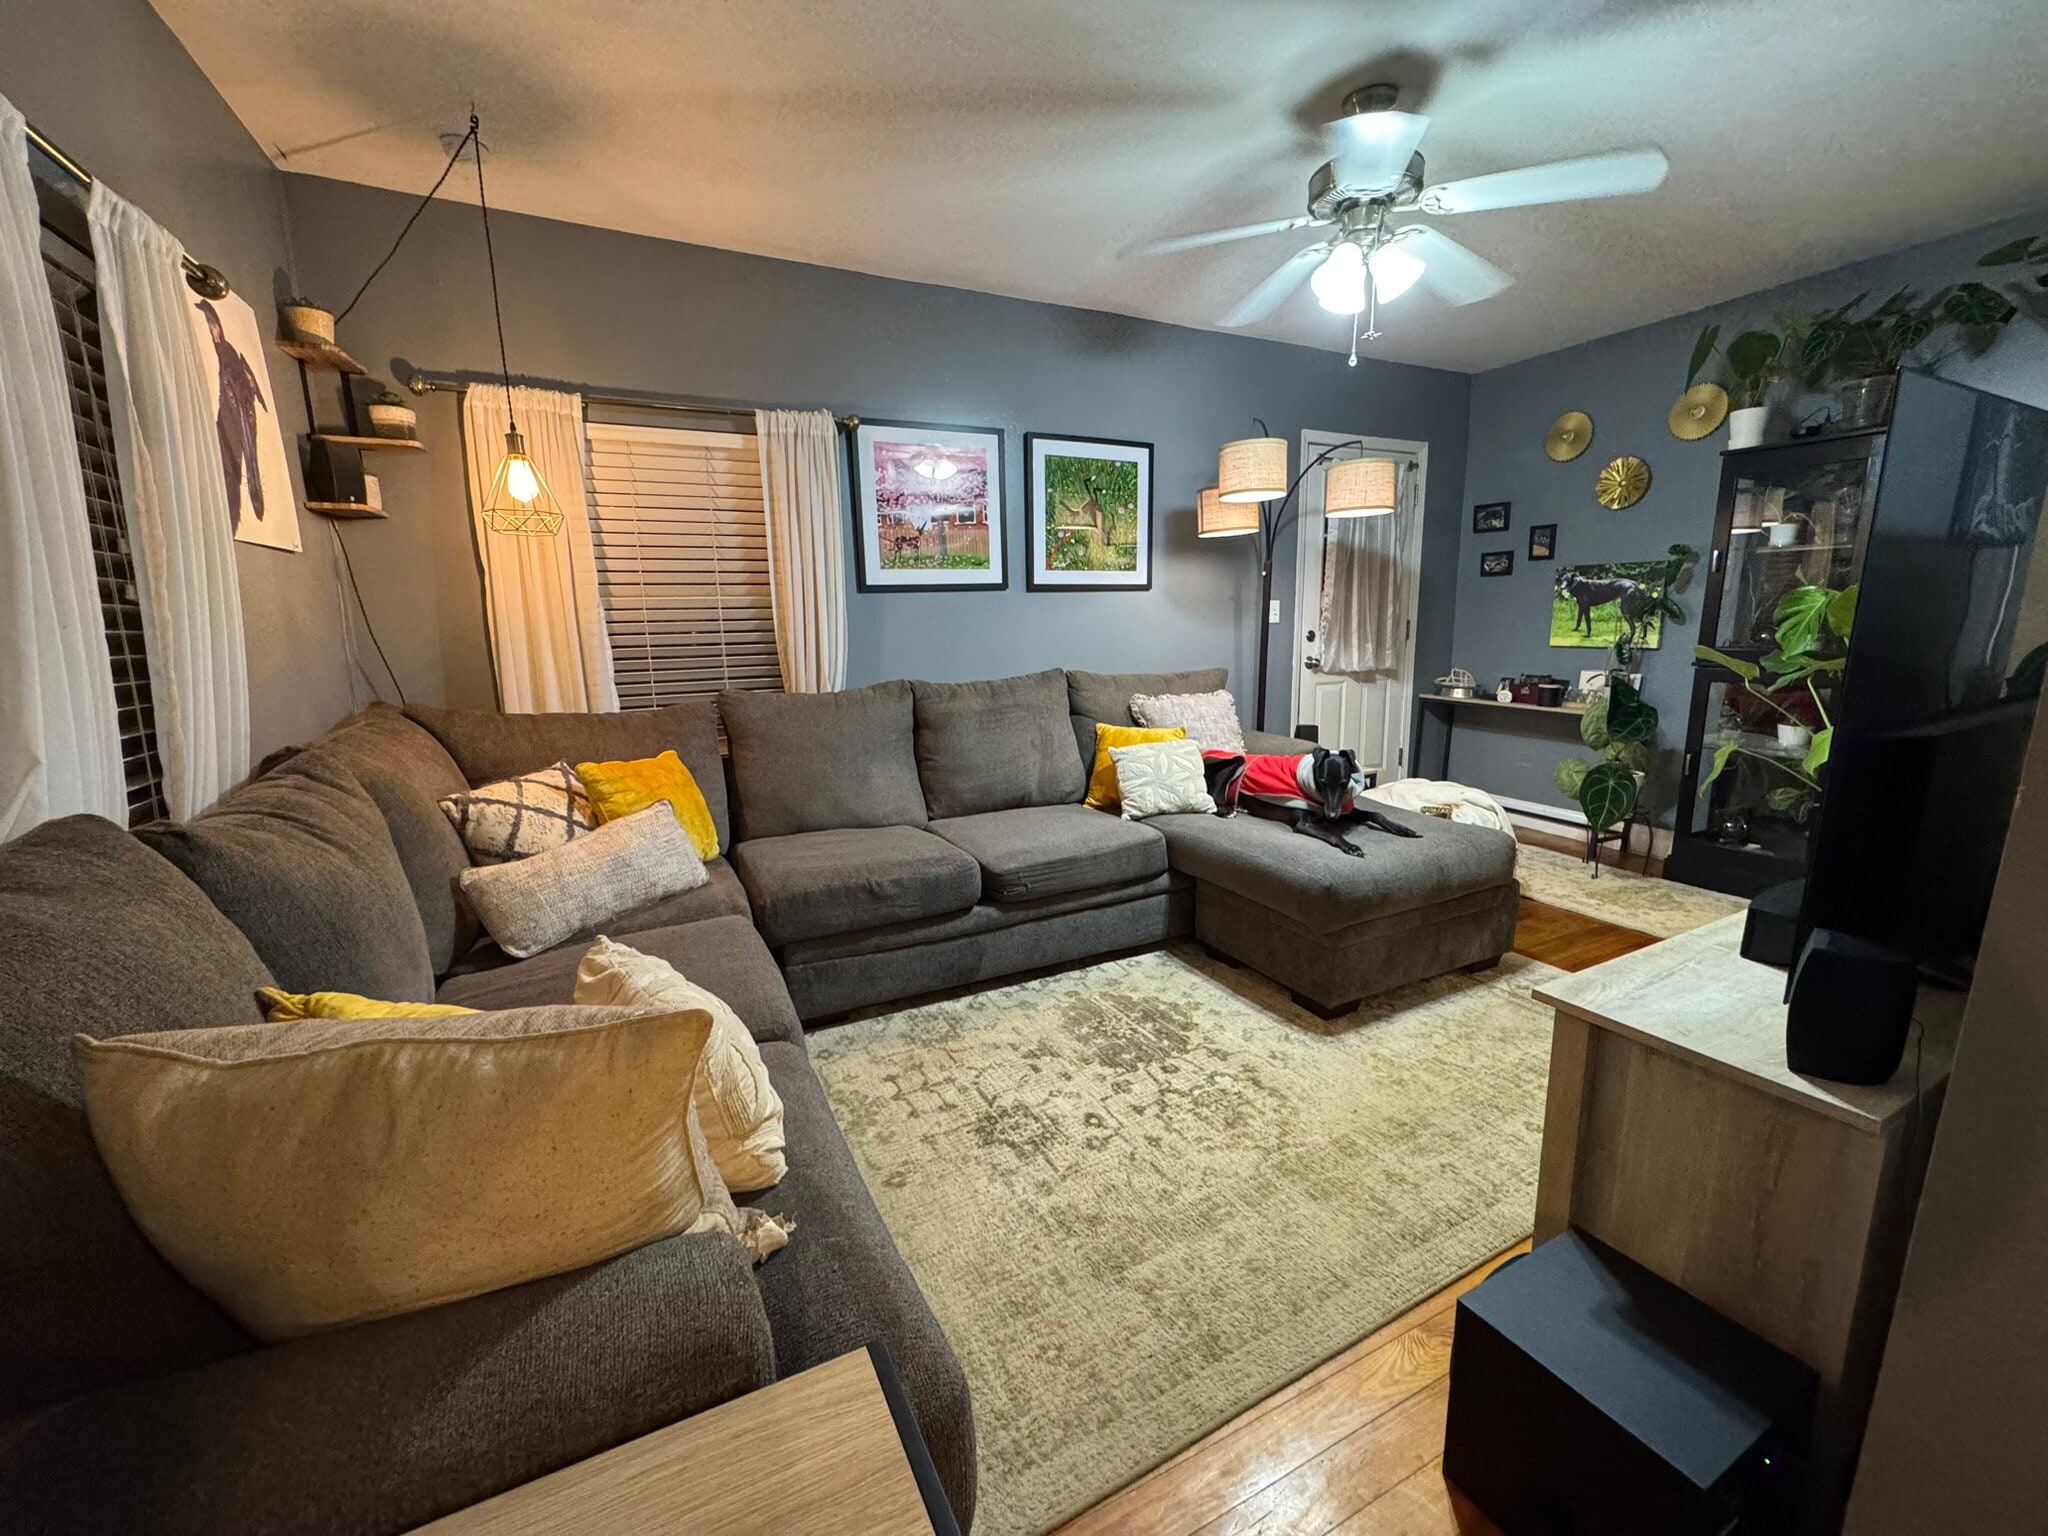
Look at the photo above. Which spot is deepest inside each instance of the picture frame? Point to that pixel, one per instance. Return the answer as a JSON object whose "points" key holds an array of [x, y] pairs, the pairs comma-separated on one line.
{"points": [[1497, 562], [929, 507], [1491, 516], [1591, 606], [1543, 541], [1088, 522]]}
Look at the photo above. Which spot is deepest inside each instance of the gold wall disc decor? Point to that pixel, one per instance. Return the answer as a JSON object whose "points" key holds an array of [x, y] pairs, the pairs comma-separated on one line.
{"points": [[1623, 482], [1569, 436], [1696, 413]]}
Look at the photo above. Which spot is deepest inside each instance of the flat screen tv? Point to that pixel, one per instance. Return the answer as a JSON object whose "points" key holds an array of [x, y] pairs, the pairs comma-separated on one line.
{"points": [[1942, 682]]}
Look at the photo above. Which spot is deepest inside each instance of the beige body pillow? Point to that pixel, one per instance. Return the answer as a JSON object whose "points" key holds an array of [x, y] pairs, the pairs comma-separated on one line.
{"points": [[317, 1173], [738, 1107]]}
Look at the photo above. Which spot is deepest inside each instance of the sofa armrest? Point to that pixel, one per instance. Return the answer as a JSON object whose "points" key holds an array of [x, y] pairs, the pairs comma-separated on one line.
{"points": [[1266, 741], [388, 1424]]}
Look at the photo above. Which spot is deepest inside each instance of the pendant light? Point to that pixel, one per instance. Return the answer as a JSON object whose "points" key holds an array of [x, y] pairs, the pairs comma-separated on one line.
{"points": [[1359, 488], [519, 501]]}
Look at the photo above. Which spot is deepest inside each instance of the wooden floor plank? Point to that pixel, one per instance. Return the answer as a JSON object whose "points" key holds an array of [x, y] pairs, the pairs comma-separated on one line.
{"points": [[1572, 941], [1422, 1505]]}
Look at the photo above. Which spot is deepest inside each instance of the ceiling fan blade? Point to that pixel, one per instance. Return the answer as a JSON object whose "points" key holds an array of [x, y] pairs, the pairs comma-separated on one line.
{"points": [[1453, 273], [1372, 149], [1620, 174], [1222, 236], [1265, 298]]}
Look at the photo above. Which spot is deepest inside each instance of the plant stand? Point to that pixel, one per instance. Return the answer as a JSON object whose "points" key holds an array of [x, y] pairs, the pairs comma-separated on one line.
{"points": [[1619, 833]]}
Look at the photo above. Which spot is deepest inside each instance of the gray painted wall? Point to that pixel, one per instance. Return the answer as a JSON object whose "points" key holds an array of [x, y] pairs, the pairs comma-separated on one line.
{"points": [[119, 94], [610, 312], [1627, 382]]}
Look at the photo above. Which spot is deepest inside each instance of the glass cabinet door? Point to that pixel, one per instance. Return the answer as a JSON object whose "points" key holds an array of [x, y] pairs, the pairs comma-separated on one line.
{"points": [[1797, 520], [1762, 801]]}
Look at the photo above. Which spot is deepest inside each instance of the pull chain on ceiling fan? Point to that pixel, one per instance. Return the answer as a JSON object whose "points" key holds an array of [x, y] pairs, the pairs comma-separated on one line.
{"points": [[1374, 171]]}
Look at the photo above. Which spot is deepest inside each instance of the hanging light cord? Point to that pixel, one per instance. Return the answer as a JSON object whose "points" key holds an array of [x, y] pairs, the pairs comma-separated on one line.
{"points": [[422, 208], [491, 257]]}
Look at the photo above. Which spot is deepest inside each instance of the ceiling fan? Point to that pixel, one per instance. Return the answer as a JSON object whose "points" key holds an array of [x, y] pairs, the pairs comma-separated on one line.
{"points": [[1375, 175]]}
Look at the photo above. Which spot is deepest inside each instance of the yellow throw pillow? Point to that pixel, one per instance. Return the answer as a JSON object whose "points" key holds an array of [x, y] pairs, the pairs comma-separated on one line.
{"points": [[281, 1007], [1102, 792], [320, 1173], [736, 1104], [621, 788]]}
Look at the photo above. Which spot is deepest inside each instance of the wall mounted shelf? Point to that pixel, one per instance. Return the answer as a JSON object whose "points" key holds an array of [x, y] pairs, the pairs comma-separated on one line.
{"points": [[323, 357], [372, 444], [346, 509]]}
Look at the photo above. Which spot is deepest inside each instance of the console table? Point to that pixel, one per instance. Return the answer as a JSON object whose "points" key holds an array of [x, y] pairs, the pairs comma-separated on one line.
{"points": [[1675, 1133], [829, 1450]]}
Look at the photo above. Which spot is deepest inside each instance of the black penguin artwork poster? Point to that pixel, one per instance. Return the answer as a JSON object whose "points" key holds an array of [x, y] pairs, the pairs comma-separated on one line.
{"points": [[261, 505]]}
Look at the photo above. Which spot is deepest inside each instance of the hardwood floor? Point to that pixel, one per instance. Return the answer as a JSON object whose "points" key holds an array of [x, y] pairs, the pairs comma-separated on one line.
{"points": [[1355, 1447]]}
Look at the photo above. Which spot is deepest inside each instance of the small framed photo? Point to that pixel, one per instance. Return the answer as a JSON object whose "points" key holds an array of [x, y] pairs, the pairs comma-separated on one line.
{"points": [[1497, 562], [928, 507], [1491, 517], [1543, 541], [1089, 527]]}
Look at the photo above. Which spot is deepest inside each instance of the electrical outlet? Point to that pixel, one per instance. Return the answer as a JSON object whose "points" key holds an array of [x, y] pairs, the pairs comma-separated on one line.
{"points": [[1273, 612]]}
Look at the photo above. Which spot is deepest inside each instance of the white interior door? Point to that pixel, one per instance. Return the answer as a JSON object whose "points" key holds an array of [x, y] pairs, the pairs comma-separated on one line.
{"points": [[1368, 713]]}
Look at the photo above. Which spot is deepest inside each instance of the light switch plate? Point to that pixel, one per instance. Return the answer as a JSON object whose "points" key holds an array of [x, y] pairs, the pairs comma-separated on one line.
{"points": [[1273, 612]]}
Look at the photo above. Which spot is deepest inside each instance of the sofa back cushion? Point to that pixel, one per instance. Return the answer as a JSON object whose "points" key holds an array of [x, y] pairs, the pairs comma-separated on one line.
{"points": [[488, 746], [811, 762], [102, 937], [406, 771], [300, 860], [996, 745], [1105, 697]]}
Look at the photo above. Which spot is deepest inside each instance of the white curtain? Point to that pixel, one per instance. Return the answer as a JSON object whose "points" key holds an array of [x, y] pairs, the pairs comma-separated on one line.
{"points": [[548, 637], [60, 744], [806, 546], [177, 501], [1360, 623]]}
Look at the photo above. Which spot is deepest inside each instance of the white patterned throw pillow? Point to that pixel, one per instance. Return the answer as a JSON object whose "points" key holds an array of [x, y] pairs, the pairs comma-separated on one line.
{"points": [[517, 818], [1158, 777], [1210, 719]]}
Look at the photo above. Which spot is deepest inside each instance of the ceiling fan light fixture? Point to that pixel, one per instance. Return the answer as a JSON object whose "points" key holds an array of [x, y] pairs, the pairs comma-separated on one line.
{"points": [[1339, 283], [1359, 488], [1252, 469], [1394, 271]]}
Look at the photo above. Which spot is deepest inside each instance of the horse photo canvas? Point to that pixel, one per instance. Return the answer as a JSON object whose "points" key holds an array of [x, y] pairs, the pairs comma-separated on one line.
{"points": [[1595, 605], [1091, 514], [927, 507]]}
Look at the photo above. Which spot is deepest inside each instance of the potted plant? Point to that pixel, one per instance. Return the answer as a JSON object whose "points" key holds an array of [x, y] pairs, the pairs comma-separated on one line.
{"points": [[303, 320], [1810, 619], [390, 416], [1753, 363], [1619, 723], [1863, 352]]}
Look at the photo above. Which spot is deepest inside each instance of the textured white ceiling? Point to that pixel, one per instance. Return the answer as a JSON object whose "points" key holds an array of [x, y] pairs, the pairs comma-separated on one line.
{"points": [[1019, 148]]}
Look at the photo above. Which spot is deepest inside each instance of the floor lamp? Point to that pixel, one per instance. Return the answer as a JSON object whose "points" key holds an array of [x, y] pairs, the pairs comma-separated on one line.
{"points": [[1252, 497]]}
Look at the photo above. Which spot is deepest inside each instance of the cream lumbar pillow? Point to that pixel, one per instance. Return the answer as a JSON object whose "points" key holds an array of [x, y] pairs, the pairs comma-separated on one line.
{"points": [[317, 1173], [538, 902], [737, 1106]]}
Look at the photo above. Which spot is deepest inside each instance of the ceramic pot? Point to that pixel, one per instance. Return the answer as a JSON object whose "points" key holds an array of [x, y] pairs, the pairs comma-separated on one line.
{"points": [[1867, 402], [394, 420], [1747, 426], [1781, 534], [306, 322]]}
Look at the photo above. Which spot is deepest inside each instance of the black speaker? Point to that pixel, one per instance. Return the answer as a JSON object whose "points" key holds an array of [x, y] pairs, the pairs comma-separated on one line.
{"points": [[1770, 933], [1850, 1009]]}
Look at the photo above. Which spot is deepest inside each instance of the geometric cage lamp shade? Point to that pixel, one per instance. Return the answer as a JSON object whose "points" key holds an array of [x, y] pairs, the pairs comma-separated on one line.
{"points": [[520, 501]]}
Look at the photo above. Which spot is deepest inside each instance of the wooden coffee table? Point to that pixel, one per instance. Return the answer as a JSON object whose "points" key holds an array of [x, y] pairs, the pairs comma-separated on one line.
{"points": [[831, 1450]]}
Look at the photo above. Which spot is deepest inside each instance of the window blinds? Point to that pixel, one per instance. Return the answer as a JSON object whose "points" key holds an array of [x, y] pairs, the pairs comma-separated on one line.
{"points": [[78, 325], [682, 562]]}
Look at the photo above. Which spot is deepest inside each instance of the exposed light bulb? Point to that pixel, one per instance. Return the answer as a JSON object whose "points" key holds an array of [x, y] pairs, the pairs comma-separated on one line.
{"points": [[521, 483], [1339, 283], [1394, 271]]}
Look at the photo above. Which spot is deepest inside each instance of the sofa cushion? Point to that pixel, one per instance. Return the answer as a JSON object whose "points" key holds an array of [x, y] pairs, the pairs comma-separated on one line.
{"points": [[721, 895], [811, 884], [300, 860], [723, 955], [101, 935], [1266, 861], [995, 745], [841, 1282], [1107, 695], [804, 762], [488, 746], [1048, 850], [407, 772]]}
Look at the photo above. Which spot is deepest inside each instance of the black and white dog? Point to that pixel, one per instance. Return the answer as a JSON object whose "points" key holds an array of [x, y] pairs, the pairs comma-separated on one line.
{"points": [[1590, 593], [1320, 788]]}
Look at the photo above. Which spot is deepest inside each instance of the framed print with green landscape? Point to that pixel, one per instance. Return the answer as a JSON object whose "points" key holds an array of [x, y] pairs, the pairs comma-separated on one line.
{"points": [[1090, 522], [1592, 606], [927, 507]]}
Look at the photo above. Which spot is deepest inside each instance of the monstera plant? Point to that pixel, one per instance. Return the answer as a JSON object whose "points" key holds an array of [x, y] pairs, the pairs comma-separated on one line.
{"points": [[1619, 723]]}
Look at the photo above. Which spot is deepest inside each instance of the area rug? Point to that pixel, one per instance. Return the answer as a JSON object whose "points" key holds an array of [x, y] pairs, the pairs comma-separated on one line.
{"points": [[1642, 902], [1144, 1195]]}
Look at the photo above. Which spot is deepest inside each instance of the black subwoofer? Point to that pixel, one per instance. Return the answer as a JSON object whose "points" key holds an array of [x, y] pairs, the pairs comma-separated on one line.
{"points": [[1849, 1009]]}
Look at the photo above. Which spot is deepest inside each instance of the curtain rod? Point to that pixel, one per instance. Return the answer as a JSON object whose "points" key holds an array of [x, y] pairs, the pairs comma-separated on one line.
{"points": [[203, 279], [451, 383]]}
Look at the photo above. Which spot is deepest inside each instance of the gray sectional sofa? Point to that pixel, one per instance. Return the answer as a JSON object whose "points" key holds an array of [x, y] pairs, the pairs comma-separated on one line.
{"points": [[884, 842]]}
